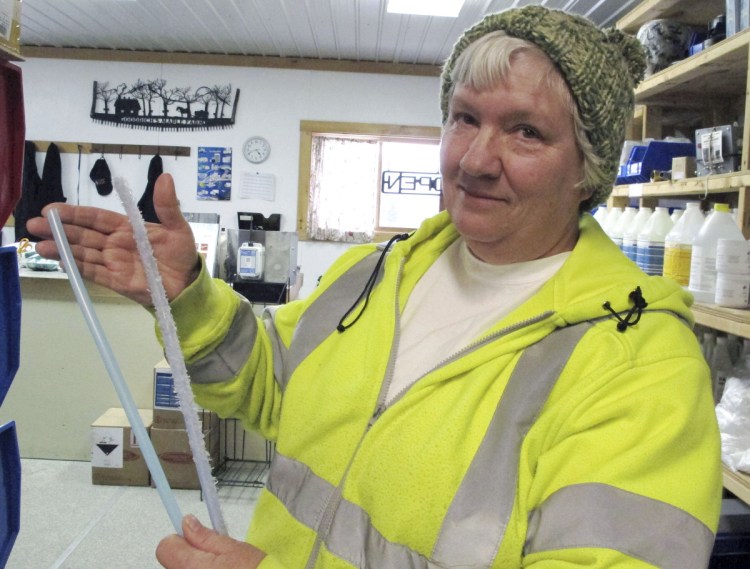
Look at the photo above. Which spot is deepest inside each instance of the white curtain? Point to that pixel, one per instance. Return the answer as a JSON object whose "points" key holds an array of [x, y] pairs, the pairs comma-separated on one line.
{"points": [[343, 189]]}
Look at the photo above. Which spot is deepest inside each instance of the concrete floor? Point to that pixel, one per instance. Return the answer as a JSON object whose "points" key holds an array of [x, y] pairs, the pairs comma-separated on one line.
{"points": [[69, 523]]}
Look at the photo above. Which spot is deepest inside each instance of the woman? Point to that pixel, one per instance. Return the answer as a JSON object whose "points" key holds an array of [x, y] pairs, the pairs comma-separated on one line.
{"points": [[502, 388]]}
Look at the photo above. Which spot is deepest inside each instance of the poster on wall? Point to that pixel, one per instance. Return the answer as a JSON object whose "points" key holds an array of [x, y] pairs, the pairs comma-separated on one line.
{"points": [[155, 105], [214, 173]]}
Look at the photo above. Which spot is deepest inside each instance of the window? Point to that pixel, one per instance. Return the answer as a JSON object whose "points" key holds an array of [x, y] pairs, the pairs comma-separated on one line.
{"points": [[364, 182]]}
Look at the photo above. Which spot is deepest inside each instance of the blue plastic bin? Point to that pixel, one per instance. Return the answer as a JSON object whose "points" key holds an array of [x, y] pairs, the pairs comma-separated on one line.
{"points": [[10, 490], [656, 156], [10, 318], [10, 461]]}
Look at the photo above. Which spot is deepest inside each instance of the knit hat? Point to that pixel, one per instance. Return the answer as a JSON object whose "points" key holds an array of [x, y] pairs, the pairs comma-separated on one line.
{"points": [[601, 68], [102, 177]]}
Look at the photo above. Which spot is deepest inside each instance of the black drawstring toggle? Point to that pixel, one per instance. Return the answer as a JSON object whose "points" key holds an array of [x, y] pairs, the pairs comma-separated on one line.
{"points": [[369, 285], [639, 303]]}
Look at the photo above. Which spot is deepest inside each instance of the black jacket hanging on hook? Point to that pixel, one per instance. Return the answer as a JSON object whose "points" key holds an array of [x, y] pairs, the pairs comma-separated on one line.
{"points": [[37, 192], [30, 188], [146, 203]]}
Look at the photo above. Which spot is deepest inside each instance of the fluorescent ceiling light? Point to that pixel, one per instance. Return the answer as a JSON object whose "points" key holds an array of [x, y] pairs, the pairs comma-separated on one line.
{"points": [[446, 8]]}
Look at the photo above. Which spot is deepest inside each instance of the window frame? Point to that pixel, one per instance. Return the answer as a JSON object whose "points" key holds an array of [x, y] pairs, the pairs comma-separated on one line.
{"points": [[310, 128]]}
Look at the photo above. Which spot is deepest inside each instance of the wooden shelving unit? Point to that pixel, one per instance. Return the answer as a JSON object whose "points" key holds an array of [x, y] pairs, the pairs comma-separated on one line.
{"points": [[708, 89], [689, 187], [693, 12], [727, 320], [738, 483]]}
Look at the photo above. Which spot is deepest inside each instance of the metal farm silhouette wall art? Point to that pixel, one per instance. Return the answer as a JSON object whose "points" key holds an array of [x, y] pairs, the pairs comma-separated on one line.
{"points": [[155, 106]]}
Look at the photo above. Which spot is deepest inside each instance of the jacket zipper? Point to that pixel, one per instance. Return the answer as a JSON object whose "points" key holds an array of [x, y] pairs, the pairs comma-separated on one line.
{"points": [[334, 500], [390, 367]]}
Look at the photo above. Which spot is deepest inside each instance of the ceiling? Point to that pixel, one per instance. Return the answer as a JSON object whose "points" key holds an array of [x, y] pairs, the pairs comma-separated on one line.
{"points": [[305, 32]]}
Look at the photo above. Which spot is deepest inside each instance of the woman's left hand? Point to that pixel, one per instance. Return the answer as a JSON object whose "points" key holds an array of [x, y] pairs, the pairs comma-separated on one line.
{"points": [[202, 548]]}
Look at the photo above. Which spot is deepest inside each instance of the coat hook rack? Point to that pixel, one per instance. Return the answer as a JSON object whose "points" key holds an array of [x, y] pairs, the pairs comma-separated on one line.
{"points": [[119, 149]]}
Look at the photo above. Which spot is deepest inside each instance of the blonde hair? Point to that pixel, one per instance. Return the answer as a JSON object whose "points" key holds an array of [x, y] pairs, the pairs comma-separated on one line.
{"points": [[487, 61]]}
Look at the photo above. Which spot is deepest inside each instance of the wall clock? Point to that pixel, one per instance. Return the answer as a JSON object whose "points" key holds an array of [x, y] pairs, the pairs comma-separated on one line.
{"points": [[256, 149]]}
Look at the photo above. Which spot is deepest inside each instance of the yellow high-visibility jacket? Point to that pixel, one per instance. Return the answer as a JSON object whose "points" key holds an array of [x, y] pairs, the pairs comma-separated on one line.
{"points": [[561, 438]]}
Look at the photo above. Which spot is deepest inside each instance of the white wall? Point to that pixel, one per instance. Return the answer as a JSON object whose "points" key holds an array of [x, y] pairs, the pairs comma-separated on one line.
{"points": [[272, 102]]}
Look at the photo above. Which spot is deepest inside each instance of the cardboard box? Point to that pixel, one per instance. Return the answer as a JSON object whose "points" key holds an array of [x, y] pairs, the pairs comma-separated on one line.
{"points": [[10, 28], [116, 457], [683, 167], [167, 413], [173, 449]]}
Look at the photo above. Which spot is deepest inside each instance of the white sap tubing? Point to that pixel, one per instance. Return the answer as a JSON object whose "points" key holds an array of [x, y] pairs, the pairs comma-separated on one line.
{"points": [[174, 355], [105, 351]]}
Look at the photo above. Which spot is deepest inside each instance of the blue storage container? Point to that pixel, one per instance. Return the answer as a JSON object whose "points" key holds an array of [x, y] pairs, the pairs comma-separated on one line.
{"points": [[731, 551], [10, 461], [10, 490], [656, 156], [10, 319]]}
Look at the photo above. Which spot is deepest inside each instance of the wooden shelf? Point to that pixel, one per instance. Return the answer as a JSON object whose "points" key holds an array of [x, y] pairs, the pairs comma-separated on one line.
{"points": [[717, 72], [8, 54], [693, 187], [738, 483], [693, 12], [727, 320]]}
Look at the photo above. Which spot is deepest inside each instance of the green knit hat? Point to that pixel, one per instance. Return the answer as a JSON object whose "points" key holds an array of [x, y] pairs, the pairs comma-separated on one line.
{"points": [[601, 68]]}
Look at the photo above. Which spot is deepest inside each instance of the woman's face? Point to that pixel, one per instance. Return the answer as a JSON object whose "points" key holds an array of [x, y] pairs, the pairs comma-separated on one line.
{"points": [[511, 166]]}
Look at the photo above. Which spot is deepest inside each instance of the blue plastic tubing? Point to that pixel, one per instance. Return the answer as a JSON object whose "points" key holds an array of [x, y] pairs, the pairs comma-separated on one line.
{"points": [[115, 374]]}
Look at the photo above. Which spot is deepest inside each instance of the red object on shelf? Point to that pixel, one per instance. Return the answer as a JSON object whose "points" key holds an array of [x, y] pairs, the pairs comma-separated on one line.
{"points": [[12, 135]]}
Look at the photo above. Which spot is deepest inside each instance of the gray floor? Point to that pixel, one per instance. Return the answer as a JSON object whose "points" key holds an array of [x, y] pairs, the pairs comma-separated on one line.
{"points": [[68, 523]]}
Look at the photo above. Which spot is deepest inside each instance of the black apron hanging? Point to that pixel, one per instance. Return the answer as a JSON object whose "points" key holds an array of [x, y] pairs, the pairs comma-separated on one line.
{"points": [[146, 203], [52, 190]]}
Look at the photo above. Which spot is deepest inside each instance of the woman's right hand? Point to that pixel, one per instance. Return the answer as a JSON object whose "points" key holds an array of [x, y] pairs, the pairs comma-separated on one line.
{"points": [[105, 251]]}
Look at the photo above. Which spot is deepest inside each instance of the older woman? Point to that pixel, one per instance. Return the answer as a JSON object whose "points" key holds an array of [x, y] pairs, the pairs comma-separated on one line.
{"points": [[501, 388]]}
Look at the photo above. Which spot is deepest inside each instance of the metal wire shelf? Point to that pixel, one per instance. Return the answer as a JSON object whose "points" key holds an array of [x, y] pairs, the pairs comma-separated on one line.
{"points": [[235, 468]]}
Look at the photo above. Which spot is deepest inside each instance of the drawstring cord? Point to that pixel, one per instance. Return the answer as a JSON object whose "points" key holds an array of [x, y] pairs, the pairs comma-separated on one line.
{"points": [[639, 303], [369, 285]]}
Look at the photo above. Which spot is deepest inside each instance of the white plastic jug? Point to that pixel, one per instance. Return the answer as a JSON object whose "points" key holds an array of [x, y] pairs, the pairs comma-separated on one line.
{"points": [[721, 366], [650, 244], [718, 225], [678, 245], [630, 236], [618, 230], [600, 215], [612, 217]]}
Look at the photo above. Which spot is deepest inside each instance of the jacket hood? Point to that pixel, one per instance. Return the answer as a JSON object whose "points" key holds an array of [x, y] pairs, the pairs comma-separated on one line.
{"points": [[608, 277]]}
